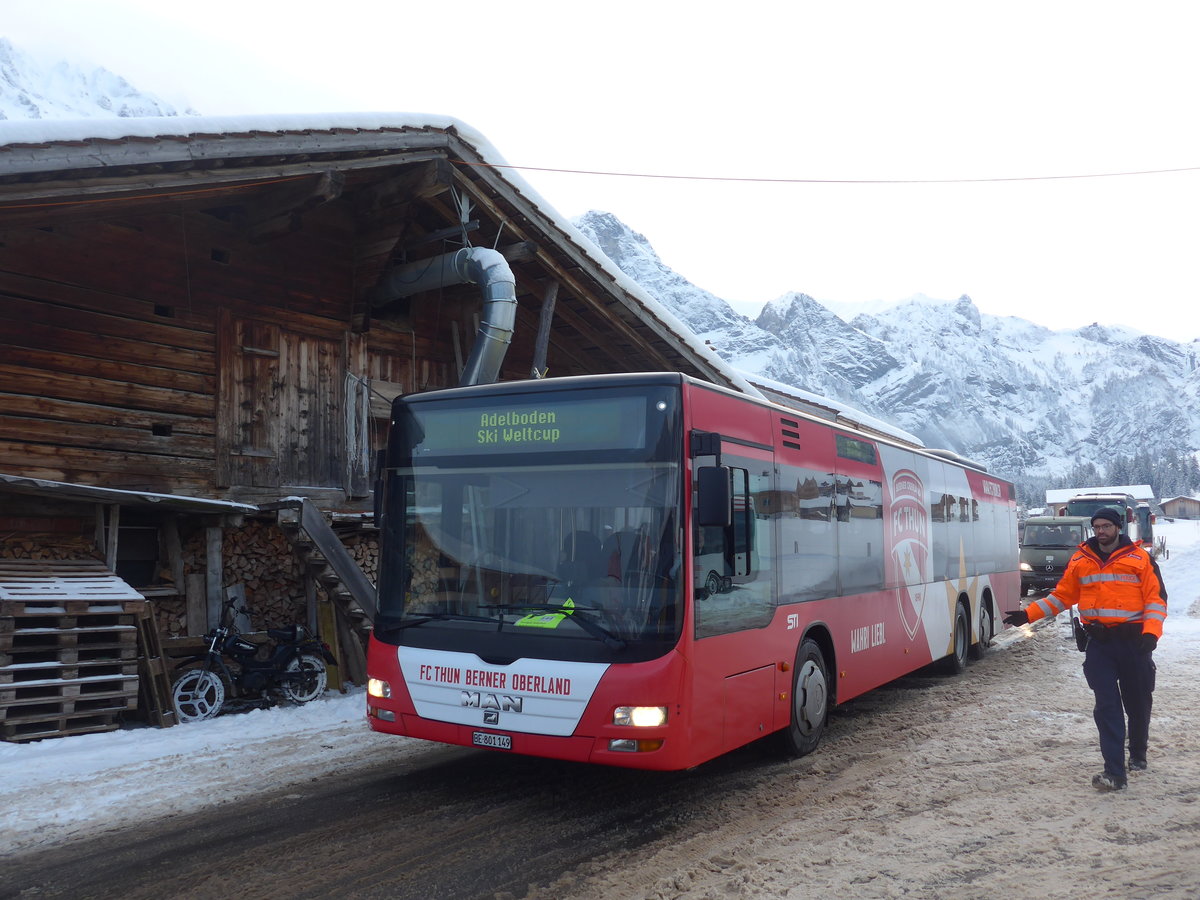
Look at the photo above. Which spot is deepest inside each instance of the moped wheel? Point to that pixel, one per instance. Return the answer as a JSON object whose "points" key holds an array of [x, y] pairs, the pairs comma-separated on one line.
{"points": [[306, 678], [198, 695]]}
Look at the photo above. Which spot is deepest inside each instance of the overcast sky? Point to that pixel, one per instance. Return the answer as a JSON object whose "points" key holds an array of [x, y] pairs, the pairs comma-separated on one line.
{"points": [[815, 100]]}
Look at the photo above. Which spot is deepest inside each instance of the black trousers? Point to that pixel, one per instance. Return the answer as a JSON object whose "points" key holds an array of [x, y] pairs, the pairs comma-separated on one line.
{"points": [[1121, 675]]}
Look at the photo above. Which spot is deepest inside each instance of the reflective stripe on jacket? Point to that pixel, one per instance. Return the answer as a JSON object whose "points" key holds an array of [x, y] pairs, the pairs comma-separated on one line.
{"points": [[1123, 589]]}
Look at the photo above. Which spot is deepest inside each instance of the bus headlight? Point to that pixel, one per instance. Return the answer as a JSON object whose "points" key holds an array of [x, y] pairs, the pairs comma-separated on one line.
{"points": [[640, 716], [377, 687]]}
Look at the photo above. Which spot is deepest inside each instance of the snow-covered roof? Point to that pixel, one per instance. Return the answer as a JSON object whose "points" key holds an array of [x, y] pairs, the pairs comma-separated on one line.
{"points": [[61, 131], [36, 147]]}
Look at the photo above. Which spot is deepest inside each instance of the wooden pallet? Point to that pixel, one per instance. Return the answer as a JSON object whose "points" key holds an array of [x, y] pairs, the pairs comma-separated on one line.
{"points": [[78, 654], [36, 728], [68, 695], [68, 648], [155, 671], [63, 671], [63, 587]]}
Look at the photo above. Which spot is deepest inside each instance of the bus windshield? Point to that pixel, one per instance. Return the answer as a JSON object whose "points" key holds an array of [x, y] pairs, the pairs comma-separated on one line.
{"points": [[566, 548]]}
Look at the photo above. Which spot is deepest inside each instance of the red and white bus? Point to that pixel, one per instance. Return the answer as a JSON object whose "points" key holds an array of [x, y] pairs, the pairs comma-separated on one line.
{"points": [[649, 571]]}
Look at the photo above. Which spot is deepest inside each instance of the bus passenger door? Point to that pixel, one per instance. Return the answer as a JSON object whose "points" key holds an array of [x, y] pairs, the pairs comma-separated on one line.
{"points": [[733, 600]]}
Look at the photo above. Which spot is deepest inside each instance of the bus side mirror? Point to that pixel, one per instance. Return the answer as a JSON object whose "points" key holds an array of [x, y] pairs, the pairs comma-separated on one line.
{"points": [[714, 496]]}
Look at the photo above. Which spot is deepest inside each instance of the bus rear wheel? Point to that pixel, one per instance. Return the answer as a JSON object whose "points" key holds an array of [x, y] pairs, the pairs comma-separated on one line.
{"points": [[987, 630], [810, 701], [956, 662]]}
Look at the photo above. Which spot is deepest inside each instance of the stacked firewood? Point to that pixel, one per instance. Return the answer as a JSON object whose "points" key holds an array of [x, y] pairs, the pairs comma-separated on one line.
{"points": [[48, 546], [258, 557], [364, 547]]}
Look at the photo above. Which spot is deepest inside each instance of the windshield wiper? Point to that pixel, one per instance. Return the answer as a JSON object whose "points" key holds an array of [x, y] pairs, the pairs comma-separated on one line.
{"points": [[443, 617], [587, 623]]}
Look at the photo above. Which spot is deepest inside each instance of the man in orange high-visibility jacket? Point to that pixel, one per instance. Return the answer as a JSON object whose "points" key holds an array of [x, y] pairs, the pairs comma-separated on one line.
{"points": [[1118, 589]]}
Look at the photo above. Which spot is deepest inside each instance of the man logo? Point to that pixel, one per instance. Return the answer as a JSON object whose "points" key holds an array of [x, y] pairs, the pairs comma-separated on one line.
{"points": [[491, 704]]}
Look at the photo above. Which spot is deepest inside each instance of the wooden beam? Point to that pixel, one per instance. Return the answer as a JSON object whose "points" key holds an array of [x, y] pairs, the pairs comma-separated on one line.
{"points": [[414, 183], [283, 213], [174, 548], [110, 544], [542, 341], [135, 190], [197, 604], [141, 163], [99, 535], [214, 571]]}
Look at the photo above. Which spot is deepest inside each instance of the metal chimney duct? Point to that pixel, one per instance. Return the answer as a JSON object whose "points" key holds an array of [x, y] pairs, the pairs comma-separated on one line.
{"points": [[470, 265]]}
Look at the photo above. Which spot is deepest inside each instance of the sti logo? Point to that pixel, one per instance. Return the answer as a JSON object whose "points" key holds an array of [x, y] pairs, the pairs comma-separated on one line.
{"points": [[793, 621]]}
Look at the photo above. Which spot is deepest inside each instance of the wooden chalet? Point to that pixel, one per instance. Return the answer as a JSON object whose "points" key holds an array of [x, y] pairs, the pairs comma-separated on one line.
{"points": [[203, 323], [1181, 507]]}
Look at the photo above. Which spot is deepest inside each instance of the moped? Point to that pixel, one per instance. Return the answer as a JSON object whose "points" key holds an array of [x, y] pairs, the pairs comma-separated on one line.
{"points": [[237, 673]]}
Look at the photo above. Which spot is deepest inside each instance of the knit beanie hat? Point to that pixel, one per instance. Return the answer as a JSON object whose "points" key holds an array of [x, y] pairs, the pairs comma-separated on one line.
{"points": [[1111, 515]]}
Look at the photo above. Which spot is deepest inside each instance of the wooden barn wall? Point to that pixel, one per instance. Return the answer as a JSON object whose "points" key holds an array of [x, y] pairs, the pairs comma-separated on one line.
{"points": [[165, 352]]}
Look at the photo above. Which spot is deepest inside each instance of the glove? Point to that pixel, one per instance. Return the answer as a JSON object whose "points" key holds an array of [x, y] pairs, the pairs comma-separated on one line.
{"points": [[1148, 643], [1016, 617]]}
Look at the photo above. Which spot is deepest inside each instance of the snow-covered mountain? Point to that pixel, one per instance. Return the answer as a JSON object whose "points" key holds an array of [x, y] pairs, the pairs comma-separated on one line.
{"points": [[1020, 398], [30, 89]]}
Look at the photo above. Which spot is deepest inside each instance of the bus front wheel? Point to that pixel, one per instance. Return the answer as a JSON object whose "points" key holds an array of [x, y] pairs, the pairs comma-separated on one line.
{"points": [[810, 700]]}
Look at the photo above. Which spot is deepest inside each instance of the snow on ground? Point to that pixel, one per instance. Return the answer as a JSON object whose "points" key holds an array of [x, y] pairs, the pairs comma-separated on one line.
{"points": [[57, 790]]}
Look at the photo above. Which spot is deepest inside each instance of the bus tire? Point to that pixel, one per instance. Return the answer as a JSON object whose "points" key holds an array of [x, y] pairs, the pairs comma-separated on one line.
{"points": [[810, 700], [956, 662], [987, 630]]}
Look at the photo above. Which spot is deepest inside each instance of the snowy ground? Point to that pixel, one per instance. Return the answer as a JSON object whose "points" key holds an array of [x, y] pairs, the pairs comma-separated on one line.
{"points": [[56, 791]]}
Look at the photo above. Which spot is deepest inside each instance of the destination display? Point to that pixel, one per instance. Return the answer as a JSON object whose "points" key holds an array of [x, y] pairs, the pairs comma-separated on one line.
{"points": [[555, 423]]}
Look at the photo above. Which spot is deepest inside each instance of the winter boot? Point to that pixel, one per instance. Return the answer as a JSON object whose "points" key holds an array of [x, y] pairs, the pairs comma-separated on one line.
{"points": [[1106, 782]]}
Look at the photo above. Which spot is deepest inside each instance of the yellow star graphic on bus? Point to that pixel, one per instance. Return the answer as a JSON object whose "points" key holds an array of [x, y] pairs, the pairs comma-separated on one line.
{"points": [[955, 588]]}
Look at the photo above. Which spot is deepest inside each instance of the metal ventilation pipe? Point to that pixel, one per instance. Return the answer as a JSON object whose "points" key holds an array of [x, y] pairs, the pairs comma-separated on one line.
{"points": [[470, 265], [490, 270]]}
